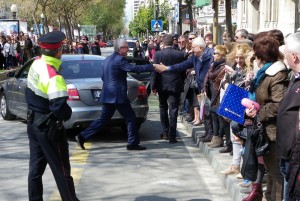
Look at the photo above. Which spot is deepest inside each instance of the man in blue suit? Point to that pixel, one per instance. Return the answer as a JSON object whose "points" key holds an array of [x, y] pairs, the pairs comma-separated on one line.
{"points": [[114, 95]]}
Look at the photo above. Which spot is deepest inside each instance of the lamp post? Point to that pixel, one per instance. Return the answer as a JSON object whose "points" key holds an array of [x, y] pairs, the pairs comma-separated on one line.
{"points": [[14, 10], [43, 20], [156, 10], [78, 32]]}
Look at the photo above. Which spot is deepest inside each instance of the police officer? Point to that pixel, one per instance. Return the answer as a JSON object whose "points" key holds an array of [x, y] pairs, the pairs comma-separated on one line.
{"points": [[96, 47], [46, 95], [83, 47]]}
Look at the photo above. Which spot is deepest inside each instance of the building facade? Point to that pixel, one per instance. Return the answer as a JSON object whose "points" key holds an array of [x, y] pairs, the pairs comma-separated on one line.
{"points": [[262, 15]]}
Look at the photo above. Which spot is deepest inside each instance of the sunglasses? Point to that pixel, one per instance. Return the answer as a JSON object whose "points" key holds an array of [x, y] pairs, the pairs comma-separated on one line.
{"points": [[216, 53], [191, 38]]}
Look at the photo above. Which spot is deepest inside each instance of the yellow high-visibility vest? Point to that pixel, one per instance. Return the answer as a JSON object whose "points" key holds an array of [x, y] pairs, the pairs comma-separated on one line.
{"points": [[43, 78]]}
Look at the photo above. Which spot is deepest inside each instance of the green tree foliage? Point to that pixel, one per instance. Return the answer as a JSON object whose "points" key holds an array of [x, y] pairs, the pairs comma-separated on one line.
{"points": [[107, 15], [142, 21]]}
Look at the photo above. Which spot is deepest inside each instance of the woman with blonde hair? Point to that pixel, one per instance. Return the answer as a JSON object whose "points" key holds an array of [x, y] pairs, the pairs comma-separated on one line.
{"points": [[239, 75]]}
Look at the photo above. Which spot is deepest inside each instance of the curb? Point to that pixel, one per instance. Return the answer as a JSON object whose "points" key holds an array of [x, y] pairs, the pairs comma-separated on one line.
{"points": [[218, 161]]}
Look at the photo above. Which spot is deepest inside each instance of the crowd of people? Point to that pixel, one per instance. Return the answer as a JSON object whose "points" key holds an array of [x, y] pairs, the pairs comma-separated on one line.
{"points": [[267, 65], [191, 76], [16, 50]]}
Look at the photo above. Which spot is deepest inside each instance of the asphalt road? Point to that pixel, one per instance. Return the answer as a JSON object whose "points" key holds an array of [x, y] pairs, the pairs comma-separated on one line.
{"points": [[106, 171]]}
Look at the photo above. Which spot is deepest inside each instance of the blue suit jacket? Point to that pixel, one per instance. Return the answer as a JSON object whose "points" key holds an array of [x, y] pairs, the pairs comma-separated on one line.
{"points": [[114, 74], [201, 66]]}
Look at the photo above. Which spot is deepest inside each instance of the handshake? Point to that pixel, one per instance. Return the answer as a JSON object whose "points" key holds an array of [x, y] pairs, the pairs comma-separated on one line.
{"points": [[160, 68]]}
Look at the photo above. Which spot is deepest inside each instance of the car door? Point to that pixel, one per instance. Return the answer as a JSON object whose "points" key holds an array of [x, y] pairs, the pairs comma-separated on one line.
{"points": [[19, 87]]}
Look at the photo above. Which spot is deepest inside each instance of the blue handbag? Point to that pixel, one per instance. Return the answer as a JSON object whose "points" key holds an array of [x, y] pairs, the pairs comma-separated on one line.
{"points": [[231, 106]]}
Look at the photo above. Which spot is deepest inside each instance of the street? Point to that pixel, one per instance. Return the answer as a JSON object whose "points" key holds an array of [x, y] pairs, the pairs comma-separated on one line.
{"points": [[107, 171], [106, 51]]}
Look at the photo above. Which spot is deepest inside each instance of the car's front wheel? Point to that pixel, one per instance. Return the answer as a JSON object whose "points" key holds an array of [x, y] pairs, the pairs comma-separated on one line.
{"points": [[5, 113]]}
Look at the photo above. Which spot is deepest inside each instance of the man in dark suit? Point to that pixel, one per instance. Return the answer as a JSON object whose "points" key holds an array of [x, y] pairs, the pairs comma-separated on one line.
{"points": [[114, 95], [200, 61], [169, 87]]}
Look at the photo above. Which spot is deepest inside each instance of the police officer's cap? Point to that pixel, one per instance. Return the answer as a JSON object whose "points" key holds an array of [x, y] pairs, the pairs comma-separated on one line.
{"points": [[52, 40], [175, 37]]}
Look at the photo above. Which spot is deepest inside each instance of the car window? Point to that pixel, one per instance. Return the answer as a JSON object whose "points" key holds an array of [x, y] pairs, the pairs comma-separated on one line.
{"points": [[23, 73], [81, 69]]}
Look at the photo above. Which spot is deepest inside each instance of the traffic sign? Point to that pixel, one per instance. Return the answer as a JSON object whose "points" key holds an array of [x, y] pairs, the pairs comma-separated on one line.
{"points": [[156, 25]]}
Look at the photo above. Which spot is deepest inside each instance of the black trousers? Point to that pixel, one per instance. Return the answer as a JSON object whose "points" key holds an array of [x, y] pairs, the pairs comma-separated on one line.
{"points": [[221, 127], [168, 110], [55, 153]]}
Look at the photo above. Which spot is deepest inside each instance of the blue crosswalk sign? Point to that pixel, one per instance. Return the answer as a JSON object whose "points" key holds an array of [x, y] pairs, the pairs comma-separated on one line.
{"points": [[156, 25]]}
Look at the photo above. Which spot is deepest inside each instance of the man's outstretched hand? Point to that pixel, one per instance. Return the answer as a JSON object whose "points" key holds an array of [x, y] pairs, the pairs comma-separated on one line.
{"points": [[160, 67]]}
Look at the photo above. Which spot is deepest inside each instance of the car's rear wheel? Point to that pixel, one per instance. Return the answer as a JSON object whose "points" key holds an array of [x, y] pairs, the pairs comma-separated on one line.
{"points": [[5, 113]]}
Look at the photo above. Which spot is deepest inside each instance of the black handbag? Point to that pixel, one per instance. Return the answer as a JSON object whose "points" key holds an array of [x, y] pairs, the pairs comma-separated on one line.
{"points": [[260, 138], [249, 166]]}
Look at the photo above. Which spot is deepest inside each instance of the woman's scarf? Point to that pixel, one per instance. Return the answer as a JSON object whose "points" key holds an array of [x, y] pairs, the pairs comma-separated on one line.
{"points": [[257, 80]]}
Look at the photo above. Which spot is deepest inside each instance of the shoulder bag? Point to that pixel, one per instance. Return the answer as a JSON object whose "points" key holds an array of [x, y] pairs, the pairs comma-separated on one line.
{"points": [[260, 138], [193, 83]]}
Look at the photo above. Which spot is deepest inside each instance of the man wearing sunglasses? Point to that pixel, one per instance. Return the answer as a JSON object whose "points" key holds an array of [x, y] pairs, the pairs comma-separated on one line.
{"points": [[183, 41], [83, 47]]}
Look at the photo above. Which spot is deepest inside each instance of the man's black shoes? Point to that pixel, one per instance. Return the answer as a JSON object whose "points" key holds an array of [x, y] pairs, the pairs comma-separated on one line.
{"points": [[226, 149], [135, 147], [80, 141], [164, 136], [173, 140]]}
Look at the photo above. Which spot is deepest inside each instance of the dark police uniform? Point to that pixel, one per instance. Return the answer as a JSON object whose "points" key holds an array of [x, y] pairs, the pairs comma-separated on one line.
{"points": [[96, 47], [46, 95], [83, 47]]}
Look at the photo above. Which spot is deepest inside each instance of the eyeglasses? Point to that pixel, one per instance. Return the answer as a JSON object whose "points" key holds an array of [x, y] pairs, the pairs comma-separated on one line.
{"points": [[181, 41], [216, 53]]}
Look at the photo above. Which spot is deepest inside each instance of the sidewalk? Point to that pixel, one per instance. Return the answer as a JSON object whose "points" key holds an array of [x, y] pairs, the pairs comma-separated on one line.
{"points": [[218, 161]]}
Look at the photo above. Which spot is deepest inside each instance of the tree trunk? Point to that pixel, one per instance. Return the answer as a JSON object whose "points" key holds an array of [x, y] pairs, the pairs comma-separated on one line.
{"points": [[228, 20], [36, 26], [215, 20], [67, 27], [180, 17], [190, 11]]}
